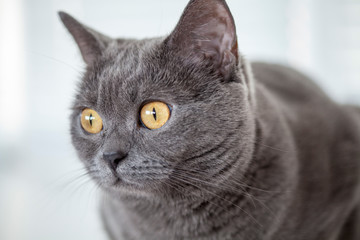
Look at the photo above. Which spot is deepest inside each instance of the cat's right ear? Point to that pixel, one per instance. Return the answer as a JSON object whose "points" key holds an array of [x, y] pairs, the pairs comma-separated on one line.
{"points": [[90, 42]]}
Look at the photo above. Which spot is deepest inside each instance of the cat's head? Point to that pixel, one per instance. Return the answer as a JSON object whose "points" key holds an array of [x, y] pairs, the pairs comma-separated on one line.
{"points": [[164, 113]]}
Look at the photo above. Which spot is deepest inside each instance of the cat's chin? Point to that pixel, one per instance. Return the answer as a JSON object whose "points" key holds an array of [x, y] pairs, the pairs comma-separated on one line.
{"points": [[123, 185]]}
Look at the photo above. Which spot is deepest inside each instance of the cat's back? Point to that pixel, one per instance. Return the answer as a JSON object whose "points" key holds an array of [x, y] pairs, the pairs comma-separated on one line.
{"points": [[309, 113], [326, 136], [297, 96], [286, 83]]}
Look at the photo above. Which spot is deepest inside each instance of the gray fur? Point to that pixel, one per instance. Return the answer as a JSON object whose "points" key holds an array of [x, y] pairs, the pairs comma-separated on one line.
{"points": [[255, 152]]}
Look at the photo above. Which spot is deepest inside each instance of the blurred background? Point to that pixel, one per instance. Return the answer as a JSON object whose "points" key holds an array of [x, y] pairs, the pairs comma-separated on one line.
{"points": [[44, 193]]}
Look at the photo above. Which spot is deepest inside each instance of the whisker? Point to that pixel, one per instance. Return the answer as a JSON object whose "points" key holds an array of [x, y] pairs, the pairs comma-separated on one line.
{"points": [[181, 178], [244, 192], [55, 60], [203, 198], [206, 175]]}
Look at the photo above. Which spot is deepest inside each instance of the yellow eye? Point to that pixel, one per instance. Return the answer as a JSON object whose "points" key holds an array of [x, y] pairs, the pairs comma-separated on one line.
{"points": [[91, 121], [155, 114]]}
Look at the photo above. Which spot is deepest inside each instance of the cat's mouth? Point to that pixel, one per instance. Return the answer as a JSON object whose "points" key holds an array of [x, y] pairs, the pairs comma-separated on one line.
{"points": [[133, 173], [119, 183], [136, 179]]}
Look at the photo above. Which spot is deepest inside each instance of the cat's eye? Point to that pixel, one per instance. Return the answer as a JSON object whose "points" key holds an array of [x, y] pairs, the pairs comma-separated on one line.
{"points": [[91, 121], [154, 114]]}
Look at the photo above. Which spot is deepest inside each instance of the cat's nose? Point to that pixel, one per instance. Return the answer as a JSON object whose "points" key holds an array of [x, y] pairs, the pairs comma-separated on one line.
{"points": [[114, 158]]}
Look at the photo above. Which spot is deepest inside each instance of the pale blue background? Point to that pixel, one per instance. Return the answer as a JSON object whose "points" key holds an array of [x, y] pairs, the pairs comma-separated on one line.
{"points": [[40, 197]]}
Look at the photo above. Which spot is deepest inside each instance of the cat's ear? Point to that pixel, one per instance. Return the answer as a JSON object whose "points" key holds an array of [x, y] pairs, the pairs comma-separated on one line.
{"points": [[206, 31], [90, 42]]}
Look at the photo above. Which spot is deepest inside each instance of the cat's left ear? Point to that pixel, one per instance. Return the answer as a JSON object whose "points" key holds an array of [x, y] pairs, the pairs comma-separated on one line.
{"points": [[91, 43], [206, 32]]}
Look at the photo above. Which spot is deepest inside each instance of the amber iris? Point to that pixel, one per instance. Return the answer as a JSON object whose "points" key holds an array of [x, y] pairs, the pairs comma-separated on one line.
{"points": [[91, 121], [154, 114]]}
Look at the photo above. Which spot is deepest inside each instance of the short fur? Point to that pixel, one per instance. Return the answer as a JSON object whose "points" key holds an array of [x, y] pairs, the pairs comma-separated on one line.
{"points": [[250, 151]]}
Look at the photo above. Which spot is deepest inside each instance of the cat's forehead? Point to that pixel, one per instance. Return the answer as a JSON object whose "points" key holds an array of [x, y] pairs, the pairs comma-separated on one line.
{"points": [[125, 58], [145, 65], [132, 72]]}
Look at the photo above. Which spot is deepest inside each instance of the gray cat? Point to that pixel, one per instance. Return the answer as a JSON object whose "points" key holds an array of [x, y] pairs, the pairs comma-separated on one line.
{"points": [[190, 141]]}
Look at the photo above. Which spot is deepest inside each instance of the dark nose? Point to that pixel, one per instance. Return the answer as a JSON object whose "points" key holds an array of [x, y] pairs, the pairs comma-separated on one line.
{"points": [[114, 158]]}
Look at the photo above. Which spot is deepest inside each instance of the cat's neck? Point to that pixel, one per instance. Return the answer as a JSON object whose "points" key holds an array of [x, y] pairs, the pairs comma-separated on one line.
{"points": [[192, 217]]}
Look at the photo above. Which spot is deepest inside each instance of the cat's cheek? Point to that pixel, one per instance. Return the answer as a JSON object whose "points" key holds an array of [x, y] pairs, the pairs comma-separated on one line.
{"points": [[87, 146], [104, 175]]}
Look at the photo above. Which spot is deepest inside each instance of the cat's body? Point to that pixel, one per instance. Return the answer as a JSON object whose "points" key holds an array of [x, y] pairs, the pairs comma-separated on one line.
{"points": [[317, 203], [248, 152]]}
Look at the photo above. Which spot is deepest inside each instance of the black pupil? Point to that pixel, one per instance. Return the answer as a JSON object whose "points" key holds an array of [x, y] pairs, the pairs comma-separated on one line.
{"points": [[154, 113], [91, 119]]}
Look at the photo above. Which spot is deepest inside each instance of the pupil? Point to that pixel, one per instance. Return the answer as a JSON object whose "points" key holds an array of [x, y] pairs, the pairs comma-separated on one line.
{"points": [[154, 113], [90, 119]]}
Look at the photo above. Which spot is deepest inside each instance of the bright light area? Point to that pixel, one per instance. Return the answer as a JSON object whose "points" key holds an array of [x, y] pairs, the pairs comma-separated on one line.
{"points": [[12, 69]]}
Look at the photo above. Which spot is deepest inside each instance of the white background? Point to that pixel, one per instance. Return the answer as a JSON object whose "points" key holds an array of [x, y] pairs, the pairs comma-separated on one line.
{"points": [[42, 193]]}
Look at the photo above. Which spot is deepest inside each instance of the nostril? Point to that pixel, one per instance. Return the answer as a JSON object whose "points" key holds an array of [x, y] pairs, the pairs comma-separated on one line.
{"points": [[114, 158]]}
